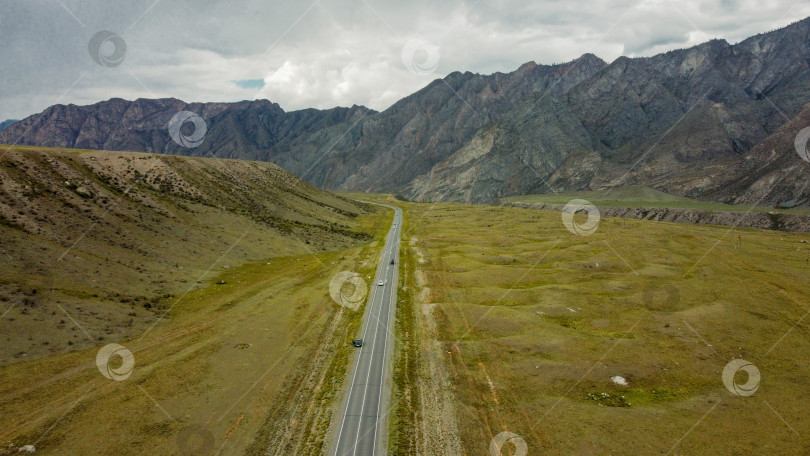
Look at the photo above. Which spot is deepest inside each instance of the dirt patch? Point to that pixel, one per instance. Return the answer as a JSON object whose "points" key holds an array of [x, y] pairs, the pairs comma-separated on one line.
{"points": [[440, 434]]}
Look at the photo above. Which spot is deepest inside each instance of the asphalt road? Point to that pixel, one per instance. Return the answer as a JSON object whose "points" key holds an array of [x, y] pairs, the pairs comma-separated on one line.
{"points": [[364, 420]]}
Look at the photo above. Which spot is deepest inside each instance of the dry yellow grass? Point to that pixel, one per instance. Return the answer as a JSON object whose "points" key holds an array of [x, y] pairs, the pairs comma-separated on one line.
{"points": [[236, 359], [538, 320], [153, 226], [237, 257]]}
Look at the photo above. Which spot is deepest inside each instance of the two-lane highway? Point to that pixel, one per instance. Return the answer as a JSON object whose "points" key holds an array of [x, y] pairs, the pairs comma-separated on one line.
{"points": [[364, 412]]}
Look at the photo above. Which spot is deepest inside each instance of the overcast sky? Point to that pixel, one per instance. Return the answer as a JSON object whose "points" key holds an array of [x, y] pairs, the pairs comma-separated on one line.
{"points": [[305, 53]]}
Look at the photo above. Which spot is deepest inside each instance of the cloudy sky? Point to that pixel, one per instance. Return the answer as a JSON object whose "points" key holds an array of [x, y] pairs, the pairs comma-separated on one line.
{"points": [[325, 53]]}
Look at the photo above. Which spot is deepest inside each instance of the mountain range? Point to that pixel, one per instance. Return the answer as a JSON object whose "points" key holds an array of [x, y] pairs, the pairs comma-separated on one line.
{"points": [[715, 121], [6, 123]]}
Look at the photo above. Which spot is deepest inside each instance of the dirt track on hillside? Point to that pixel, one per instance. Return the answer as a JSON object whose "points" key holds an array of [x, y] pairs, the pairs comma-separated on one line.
{"points": [[761, 220]]}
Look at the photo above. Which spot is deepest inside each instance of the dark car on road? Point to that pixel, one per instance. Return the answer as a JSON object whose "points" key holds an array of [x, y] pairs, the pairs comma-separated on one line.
{"points": [[357, 343]]}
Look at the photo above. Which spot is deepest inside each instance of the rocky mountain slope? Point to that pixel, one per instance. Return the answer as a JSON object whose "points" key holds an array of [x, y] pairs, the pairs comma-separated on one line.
{"points": [[6, 123], [114, 237], [256, 130], [678, 122], [390, 149], [689, 122]]}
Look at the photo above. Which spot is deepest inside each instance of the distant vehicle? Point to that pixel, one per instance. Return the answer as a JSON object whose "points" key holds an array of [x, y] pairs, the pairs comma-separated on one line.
{"points": [[357, 343], [380, 283], [392, 261]]}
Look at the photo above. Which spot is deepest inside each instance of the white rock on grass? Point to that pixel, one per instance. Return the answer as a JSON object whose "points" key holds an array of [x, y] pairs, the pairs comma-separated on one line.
{"points": [[619, 380]]}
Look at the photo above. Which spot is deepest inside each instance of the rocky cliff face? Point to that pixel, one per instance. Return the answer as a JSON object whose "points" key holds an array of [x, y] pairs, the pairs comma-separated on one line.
{"points": [[386, 151], [693, 122], [690, 122]]}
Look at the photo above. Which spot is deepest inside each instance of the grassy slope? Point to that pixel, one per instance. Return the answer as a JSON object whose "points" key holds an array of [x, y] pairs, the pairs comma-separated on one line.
{"points": [[537, 321], [244, 359], [153, 227]]}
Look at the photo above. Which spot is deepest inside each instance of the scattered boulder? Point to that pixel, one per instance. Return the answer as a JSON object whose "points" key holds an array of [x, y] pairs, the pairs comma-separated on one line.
{"points": [[83, 192], [619, 380]]}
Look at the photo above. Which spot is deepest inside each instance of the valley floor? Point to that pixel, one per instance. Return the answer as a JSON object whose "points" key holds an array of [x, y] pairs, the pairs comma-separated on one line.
{"points": [[509, 329], [614, 343]]}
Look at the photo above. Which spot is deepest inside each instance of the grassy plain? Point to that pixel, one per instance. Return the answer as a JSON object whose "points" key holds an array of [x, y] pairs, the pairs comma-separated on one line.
{"points": [[531, 323]]}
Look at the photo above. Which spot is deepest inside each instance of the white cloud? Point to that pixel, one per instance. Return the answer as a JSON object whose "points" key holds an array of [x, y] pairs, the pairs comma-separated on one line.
{"points": [[341, 52]]}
